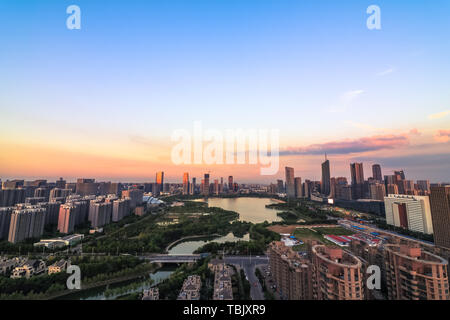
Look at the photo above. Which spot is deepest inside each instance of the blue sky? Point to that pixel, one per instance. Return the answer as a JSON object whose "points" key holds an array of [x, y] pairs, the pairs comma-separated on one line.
{"points": [[145, 68]]}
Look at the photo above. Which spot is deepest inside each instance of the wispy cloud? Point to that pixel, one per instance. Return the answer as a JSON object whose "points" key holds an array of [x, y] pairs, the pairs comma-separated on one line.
{"points": [[351, 146], [385, 72], [439, 115], [345, 100], [442, 136]]}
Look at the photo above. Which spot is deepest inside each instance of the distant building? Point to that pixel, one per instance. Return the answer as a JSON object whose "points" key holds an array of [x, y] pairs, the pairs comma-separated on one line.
{"points": [[186, 183], [325, 183], [376, 173], [298, 187], [290, 184]]}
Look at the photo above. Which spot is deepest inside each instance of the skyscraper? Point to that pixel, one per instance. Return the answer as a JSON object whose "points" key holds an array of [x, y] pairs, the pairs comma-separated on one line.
{"points": [[325, 185], [230, 183], [357, 175], [290, 185], [376, 172], [160, 179], [186, 183], [206, 185], [298, 187], [440, 212]]}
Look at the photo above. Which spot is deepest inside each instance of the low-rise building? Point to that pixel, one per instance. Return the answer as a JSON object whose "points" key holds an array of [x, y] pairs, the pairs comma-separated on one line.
{"points": [[58, 266], [28, 269], [191, 288]]}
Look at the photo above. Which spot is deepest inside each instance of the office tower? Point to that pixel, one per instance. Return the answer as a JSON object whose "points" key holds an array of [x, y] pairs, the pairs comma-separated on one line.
{"points": [[86, 187], [325, 183], [440, 213], [298, 187], [67, 218], [221, 185], [160, 180], [216, 186], [377, 191], [136, 197], [230, 183], [194, 186], [376, 173], [409, 212], [290, 186], [414, 274], [26, 222], [280, 186], [424, 186], [357, 176], [357, 173], [121, 209], [290, 271], [206, 185], [60, 184], [336, 274], [186, 183], [307, 188], [5, 220]]}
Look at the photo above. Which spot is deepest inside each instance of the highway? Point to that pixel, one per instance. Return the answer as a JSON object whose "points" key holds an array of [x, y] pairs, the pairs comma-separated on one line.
{"points": [[249, 265]]}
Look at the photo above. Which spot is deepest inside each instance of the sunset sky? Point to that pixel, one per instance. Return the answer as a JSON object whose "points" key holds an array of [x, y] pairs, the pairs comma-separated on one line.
{"points": [[103, 101]]}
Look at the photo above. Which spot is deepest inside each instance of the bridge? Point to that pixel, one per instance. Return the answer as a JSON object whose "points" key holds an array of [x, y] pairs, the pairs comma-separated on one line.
{"points": [[173, 258]]}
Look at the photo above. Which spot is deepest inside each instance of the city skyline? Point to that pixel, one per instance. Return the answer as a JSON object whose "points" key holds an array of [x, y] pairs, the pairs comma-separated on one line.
{"points": [[104, 100]]}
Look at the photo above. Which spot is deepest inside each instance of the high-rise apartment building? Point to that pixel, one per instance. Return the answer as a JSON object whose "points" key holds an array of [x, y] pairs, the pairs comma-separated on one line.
{"points": [[121, 208], [67, 218], [290, 184], [336, 275], [86, 187], [291, 272], [440, 213], [414, 274], [26, 222], [136, 196], [409, 212], [5, 220]]}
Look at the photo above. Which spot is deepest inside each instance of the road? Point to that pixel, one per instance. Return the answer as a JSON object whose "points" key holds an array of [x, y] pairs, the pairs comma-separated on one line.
{"points": [[249, 265]]}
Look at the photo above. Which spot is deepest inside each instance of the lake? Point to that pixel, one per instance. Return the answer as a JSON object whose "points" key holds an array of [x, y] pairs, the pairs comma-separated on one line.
{"points": [[250, 209]]}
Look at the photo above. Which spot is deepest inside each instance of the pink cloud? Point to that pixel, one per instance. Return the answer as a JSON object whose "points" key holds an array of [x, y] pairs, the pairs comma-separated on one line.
{"points": [[349, 146], [442, 136]]}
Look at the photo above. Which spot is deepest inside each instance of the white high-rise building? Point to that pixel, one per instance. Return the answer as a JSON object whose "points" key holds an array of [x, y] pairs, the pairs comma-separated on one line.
{"points": [[409, 212]]}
